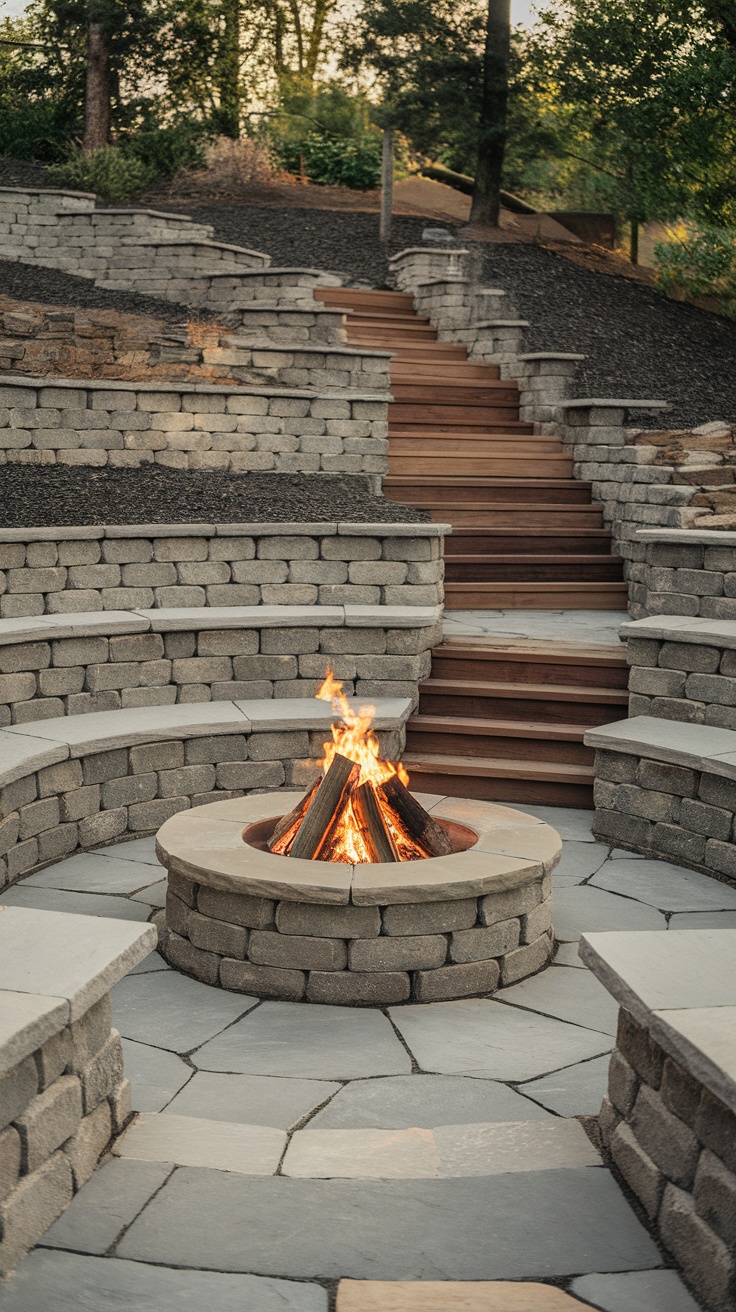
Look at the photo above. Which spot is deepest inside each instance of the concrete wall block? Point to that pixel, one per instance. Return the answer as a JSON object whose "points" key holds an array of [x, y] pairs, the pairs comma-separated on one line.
{"points": [[48, 1120]]}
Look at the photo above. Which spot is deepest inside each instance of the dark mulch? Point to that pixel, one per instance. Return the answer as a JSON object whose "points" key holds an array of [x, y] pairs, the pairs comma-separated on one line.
{"points": [[337, 240], [23, 173], [32, 282], [151, 494], [638, 343]]}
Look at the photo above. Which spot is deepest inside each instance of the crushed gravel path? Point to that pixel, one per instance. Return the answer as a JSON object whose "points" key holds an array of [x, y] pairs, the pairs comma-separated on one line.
{"points": [[152, 494], [638, 343]]}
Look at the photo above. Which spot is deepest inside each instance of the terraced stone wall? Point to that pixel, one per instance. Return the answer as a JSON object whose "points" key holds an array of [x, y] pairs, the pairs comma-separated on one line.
{"points": [[688, 572], [144, 566], [192, 426], [674, 1143]]}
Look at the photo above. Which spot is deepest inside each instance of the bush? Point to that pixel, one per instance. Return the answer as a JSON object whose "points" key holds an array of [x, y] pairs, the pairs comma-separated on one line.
{"points": [[341, 162], [37, 129], [166, 150], [700, 263], [111, 172]]}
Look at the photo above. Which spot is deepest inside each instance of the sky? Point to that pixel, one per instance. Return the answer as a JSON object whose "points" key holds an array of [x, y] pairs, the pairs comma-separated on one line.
{"points": [[520, 9]]}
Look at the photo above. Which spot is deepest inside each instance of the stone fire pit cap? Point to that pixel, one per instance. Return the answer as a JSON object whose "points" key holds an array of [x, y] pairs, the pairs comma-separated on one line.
{"points": [[205, 845]]}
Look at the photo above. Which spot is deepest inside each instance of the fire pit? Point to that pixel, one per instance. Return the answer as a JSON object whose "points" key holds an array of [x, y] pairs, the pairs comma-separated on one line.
{"points": [[360, 892]]}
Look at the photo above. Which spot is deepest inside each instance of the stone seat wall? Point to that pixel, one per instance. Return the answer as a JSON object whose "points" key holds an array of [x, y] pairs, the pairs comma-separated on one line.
{"points": [[667, 790], [63, 1094], [669, 1120], [74, 783]]}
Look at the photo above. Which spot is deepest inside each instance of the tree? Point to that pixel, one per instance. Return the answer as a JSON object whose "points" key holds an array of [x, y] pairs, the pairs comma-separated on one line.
{"points": [[492, 120]]}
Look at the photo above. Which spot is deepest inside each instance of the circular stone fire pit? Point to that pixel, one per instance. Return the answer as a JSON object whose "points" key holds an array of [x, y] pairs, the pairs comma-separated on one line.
{"points": [[366, 935]]}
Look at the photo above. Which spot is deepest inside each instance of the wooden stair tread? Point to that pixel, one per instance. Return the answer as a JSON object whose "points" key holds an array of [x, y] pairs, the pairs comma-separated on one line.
{"points": [[498, 767], [554, 652], [523, 691], [534, 558], [496, 728]]}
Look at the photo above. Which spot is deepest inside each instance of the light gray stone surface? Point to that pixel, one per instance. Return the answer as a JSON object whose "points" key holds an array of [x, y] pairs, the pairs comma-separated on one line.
{"points": [[693, 968], [170, 1011], [575, 1090], [139, 849], [424, 1229], [105, 1205], [79, 904], [91, 872], [192, 1141], [250, 1099], [485, 1039], [27, 1020], [152, 962], [636, 1291], [287, 1038], [400, 1101], [69, 957], [577, 910], [562, 992], [571, 824], [668, 887], [68, 1282], [156, 1075], [579, 860], [703, 920]]}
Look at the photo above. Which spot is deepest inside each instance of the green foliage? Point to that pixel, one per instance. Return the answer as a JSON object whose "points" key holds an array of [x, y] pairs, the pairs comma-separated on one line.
{"points": [[700, 263], [165, 150], [337, 162], [37, 129], [112, 173]]}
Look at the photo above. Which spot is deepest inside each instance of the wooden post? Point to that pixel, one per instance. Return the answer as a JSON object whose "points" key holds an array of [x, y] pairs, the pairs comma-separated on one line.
{"points": [[387, 184], [325, 806]]}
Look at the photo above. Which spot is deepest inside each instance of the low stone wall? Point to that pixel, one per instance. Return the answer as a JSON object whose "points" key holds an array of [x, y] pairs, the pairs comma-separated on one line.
{"points": [[680, 671], [59, 1108], [134, 566], [226, 292], [191, 426], [654, 793], [290, 326], [686, 572]]}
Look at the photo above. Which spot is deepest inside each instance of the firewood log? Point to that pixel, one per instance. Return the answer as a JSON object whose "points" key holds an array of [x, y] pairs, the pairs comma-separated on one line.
{"points": [[368, 814], [412, 817], [286, 829], [326, 804]]}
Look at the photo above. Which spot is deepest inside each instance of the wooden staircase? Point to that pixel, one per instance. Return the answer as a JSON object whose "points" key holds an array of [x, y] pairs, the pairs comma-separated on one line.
{"points": [[496, 720]]}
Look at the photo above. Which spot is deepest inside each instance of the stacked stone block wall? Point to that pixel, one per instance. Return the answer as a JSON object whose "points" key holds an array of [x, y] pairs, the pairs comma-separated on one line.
{"points": [[674, 1143], [667, 811], [358, 955], [684, 680], [191, 426], [690, 572], [59, 1108], [143, 566]]}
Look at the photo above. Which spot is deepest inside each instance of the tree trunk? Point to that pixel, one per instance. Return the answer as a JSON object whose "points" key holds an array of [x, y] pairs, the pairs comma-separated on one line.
{"points": [[387, 185], [634, 247], [230, 90], [492, 125], [97, 98]]}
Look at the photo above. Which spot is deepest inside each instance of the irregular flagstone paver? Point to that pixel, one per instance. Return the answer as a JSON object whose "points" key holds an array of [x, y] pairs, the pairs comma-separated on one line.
{"points": [[105, 1205], [191, 1141], [251, 1099], [575, 1091], [155, 1074], [584, 909], [572, 825], [67, 1282], [309, 1042], [447, 1152], [138, 849], [154, 895], [536, 1224], [90, 872], [567, 955], [703, 920], [561, 992], [489, 1040], [401, 1101], [80, 904], [636, 1291], [578, 861], [461, 1296], [168, 1010], [668, 887], [152, 962]]}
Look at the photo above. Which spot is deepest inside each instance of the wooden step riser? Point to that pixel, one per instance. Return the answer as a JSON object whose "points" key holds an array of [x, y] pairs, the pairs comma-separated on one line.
{"points": [[449, 496], [485, 745], [460, 416], [480, 445], [507, 517], [566, 596], [483, 466], [352, 296], [445, 394], [605, 572], [525, 709], [455, 372], [532, 791], [503, 668], [491, 544], [421, 432]]}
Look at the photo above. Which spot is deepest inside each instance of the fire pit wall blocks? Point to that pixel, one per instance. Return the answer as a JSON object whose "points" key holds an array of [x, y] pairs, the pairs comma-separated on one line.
{"points": [[368, 935]]}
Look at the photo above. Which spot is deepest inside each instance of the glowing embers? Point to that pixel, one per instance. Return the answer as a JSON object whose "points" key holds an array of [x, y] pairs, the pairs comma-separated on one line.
{"points": [[360, 810]]}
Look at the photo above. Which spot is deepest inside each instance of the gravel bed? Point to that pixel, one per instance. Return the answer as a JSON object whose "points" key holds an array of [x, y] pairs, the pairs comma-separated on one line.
{"points": [[341, 241], [638, 343], [152, 494], [34, 282], [24, 173]]}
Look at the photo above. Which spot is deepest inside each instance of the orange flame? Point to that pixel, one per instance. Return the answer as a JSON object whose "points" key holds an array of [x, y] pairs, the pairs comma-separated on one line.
{"points": [[353, 737]]}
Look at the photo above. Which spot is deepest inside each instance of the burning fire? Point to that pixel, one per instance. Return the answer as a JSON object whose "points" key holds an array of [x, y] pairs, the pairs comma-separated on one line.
{"points": [[353, 737]]}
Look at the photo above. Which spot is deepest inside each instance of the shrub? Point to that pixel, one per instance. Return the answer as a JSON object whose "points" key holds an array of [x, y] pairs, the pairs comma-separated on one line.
{"points": [[166, 150], [111, 172], [339, 162], [37, 129], [700, 263]]}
